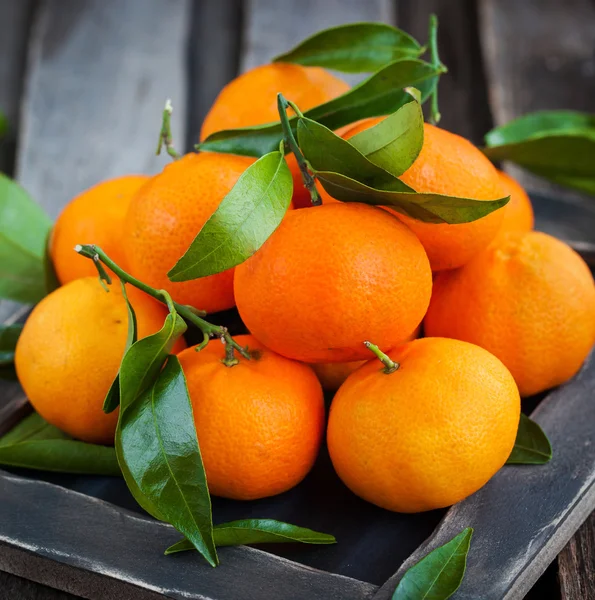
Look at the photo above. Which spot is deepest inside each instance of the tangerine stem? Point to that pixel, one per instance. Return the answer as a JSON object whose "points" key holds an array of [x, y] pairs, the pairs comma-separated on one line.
{"points": [[98, 256], [291, 144], [435, 60], [165, 136], [390, 366]]}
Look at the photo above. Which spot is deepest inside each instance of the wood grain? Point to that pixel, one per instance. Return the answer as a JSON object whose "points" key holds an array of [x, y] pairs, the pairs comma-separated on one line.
{"points": [[538, 55], [462, 94], [576, 564]]}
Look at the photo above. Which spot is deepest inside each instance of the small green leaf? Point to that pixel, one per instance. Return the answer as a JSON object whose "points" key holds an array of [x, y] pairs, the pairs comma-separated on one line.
{"points": [[557, 145], [380, 94], [112, 398], [353, 48], [35, 444], [394, 143], [9, 334], [347, 175], [3, 125], [242, 223], [158, 443], [24, 228], [438, 575], [258, 531], [532, 446]]}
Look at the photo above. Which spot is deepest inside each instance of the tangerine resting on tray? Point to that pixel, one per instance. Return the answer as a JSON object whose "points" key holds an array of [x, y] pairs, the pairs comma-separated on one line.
{"points": [[70, 351]]}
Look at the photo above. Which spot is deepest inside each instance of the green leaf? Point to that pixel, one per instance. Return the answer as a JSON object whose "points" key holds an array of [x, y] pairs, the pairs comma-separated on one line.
{"points": [[380, 94], [24, 228], [532, 446], [158, 443], [139, 370], [242, 223], [347, 175], [438, 575], [394, 143], [9, 334], [35, 444], [557, 145], [3, 125], [353, 48], [50, 276], [258, 531], [112, 398]]}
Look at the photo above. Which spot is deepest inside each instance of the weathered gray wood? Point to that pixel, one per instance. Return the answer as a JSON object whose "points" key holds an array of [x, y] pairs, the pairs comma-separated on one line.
{"points": [[17, 588], [579, 558], [525, 515], [539, 54], [99, 74], [463, 97], [274, 26], [214, 56], [126, 549]]}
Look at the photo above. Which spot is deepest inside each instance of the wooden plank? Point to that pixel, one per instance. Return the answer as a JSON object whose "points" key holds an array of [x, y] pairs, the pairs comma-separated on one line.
{"points": [[121, 551], [576, 564], [539, 55], [274, 26], [463, 96]]}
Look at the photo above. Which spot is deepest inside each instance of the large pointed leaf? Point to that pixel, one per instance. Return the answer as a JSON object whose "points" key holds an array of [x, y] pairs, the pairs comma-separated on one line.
{"points": [[35, 444], [438, 575], [380, 94], [9, 334], [532, 446], [258, 531], [158, 443], [112, 398], [242, 223], [557, 145], [24, 229], [353, 48]]}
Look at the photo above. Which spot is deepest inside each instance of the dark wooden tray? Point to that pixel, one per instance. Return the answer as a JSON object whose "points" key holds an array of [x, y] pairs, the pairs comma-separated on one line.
{"points": [[87, 536]]}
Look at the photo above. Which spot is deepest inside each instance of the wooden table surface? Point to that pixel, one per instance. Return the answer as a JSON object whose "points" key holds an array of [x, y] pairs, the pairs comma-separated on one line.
{"points": [[83, 82]]}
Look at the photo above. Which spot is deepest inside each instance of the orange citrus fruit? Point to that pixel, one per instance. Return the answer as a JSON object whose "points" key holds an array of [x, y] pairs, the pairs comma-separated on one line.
{"points": [[332, 375], [429, 434], [518, 213], [331, 277], [70, 350], [451, 165], [251, 99], [95, 216], [530, 300], [259, 423], [166, 215]]}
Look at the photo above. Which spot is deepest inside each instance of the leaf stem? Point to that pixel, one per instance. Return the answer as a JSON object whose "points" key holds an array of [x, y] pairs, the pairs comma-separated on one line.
{"points": [[390, 366], [188, 313], [290, 143], [165, 136], [435, 61]]}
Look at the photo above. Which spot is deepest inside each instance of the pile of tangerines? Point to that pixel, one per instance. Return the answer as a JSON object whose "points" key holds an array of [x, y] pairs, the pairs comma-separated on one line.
{"points": [[336, 298]]}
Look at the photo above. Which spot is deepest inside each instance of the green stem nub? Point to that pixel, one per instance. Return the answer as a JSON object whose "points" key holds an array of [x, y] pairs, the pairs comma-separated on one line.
{"points": [[165, 136], [290, 143], [435, 60], [230, 359], [390, 366]]}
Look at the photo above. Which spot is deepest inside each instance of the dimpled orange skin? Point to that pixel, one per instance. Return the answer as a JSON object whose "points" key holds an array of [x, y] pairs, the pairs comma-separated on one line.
{"points": [[70, 352], [332, 375], [251, 99], [259, 423], [96, 216], [429, 434], [530, 300], [331, 277], [518, 213], [451, 165], [166, 215]]}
